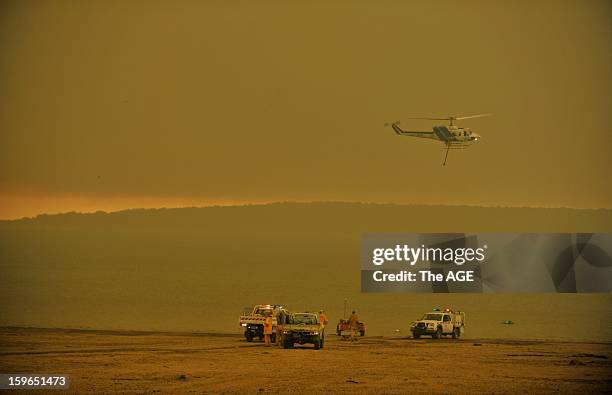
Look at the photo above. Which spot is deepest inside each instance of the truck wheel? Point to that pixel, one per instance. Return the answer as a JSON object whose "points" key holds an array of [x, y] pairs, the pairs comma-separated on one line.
{"points": [[455, 333], [416, 336], [317, 344], [287, 344], [438, 334], [249, 336]]}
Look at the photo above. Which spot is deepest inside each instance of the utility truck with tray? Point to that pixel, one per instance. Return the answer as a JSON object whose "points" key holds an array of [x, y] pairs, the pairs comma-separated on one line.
{"points": [[252, 323], [439, 323]]}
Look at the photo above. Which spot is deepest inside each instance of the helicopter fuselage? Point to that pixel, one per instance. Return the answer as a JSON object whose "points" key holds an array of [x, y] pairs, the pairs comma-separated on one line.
{"points": [[447, 134], [454, 134]]}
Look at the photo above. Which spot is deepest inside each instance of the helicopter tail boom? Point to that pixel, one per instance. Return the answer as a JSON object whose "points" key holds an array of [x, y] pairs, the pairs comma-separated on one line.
{"points": [[411, 133]]}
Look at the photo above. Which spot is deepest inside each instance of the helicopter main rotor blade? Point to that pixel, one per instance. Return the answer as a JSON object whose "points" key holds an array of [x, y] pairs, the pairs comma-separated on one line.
{"points": [[453, 118], [433, 119], [473, 116]]}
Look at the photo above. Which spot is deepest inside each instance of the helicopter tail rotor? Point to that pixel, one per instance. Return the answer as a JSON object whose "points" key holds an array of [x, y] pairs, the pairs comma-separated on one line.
{"points": [[392, 123]]}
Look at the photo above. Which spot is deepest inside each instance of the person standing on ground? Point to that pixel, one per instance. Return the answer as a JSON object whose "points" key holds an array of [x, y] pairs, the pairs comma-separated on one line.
{"points": [[322, 321], [322, 318], [281, 320], [353, 322], [268, 328]]}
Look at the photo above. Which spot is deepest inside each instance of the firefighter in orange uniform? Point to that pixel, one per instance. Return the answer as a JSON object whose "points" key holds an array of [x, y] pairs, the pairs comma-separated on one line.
{"points": [[268, 328], [322, 318]]}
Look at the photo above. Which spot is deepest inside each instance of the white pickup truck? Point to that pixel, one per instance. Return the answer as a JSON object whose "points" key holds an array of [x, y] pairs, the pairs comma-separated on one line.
{"points": [[252, 323], [439, 323]]}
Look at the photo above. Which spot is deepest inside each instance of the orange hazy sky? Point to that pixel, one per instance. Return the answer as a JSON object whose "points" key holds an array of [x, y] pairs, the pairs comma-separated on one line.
{"points": [[114, 104]]}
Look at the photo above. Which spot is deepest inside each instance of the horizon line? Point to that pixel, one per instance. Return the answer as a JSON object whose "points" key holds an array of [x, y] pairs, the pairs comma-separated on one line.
{"points": [[278, 202]]}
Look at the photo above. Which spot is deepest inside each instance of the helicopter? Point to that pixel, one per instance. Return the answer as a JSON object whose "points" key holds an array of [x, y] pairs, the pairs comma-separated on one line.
{"points": [[453, 137]]}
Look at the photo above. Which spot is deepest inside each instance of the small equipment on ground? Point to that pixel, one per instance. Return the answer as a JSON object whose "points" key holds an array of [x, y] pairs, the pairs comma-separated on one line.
{"points": [[343, 328]]}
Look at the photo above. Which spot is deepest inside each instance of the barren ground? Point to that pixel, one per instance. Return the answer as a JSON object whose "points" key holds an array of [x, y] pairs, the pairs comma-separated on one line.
{"points": [[146, 362]]}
